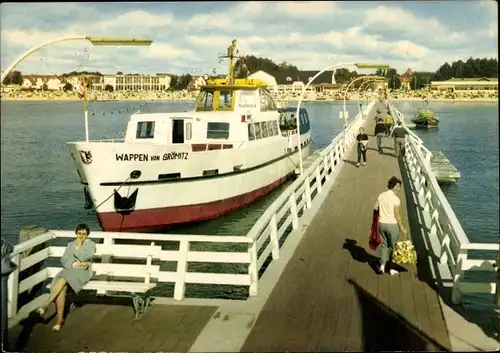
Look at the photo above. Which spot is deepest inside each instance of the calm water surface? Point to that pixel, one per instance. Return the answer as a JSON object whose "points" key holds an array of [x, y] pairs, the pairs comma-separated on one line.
{"points": [[39, 182]]}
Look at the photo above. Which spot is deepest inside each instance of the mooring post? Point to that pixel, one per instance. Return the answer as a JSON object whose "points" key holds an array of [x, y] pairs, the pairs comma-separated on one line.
{"points": [[7, 268]]}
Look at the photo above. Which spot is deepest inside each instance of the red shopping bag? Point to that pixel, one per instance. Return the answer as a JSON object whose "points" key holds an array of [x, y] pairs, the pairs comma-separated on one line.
{"points": [[375, 238]]}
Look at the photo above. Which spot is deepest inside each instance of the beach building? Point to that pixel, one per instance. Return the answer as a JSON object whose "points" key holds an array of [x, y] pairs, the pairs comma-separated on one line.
{"points": [[294, 81], [134, 82], [270, 79], [53, 82], [466, 84]]}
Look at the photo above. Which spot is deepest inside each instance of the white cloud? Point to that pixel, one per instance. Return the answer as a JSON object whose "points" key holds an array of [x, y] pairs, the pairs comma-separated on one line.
{"points": [[406, 22], [308, 8], [306, 34], [138, 18]]}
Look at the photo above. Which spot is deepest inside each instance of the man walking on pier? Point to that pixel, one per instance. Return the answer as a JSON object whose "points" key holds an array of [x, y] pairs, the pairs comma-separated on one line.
{"points": [[390, 224], [399, 133]]}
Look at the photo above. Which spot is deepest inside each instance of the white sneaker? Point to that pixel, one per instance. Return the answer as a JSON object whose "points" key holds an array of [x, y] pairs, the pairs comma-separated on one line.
{"points": [[364, 163], [393, 272], [357, 164], [382, 268]]}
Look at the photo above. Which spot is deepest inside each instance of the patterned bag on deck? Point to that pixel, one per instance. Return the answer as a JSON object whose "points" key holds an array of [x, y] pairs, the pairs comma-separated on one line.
{"points": [[404, 253]]}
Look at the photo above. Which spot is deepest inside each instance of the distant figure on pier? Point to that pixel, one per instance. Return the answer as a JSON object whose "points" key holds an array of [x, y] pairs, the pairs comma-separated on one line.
{"points": [[362, 139], [76, 261], [388, 205], [388, 123], [379, 133], [399, 133]]}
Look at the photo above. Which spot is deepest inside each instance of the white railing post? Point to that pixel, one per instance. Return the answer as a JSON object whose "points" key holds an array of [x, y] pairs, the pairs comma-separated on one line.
{"points": [[326, 167], [307, 191], [13, 287], [274, 238], [456, 294], [332, 158], [106, 259], [182, 264], [253, 271], [318, 178], [293, 207]]}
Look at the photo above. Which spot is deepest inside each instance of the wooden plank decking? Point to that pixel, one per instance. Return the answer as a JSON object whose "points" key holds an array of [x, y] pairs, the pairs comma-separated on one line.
{"points": [[329, 298], [111, 328]]}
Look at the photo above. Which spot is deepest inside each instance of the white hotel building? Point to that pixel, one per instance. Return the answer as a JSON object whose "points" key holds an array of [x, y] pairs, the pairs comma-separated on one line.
{"points": [[158, 82]]}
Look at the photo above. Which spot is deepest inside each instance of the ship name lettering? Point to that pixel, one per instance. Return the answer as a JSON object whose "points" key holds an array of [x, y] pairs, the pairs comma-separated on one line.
{"points": [[175, 155], [132, 157]]}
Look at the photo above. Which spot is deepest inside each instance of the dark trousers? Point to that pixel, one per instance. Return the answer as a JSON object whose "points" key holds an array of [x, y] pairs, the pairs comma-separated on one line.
{"points": [[361, 152], [388, 129]]}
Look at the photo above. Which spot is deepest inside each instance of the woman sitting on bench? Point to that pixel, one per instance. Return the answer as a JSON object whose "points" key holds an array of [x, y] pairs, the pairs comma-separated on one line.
{"points": [[76, 261]]}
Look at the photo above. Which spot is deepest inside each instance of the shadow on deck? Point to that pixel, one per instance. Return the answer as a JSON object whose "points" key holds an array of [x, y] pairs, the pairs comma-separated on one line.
{"points": [[329, 297], [109, 325]]}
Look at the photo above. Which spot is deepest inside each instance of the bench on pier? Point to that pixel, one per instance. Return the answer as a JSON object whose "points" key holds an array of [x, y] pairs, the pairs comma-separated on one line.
{"points": [[124, 276]]}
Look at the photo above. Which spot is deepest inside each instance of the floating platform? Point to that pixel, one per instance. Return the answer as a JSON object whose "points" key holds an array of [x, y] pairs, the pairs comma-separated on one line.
{"points": [[444, 170]]}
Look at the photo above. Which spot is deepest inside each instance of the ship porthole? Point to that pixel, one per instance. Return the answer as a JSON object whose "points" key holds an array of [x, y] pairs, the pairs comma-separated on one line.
{"points": [[135, 174]]}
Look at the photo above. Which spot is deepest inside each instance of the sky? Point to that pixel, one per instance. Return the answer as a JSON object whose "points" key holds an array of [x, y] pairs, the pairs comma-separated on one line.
{"points": [[189, 36]]}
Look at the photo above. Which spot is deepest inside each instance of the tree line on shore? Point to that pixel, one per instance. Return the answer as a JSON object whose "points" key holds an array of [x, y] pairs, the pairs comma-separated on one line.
{"points": [[471, 68]]}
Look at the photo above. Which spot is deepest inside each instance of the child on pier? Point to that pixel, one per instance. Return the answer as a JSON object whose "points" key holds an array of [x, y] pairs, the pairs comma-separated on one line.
{"points": [[362, 140]]}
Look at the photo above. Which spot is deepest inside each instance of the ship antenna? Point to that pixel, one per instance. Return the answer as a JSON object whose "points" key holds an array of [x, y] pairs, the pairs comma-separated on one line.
{"points": [[232, 53]]}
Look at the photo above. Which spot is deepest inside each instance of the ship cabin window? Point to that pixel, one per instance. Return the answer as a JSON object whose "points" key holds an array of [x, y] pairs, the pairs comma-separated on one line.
{"points": [[266, 101], [177, 131], [287, 120], [205, 100], [262, 129], [145, 130], [225, 100], [217, 131]]}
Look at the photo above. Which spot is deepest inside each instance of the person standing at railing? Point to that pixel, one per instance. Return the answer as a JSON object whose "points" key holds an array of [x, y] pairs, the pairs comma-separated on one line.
{"points": [[362, 142], [76, 272], [379, 133], [399, 133], [388, 205]]}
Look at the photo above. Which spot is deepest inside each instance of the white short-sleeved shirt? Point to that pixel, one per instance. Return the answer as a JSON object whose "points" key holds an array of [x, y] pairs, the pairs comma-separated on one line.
{"points": [[386, 203]]}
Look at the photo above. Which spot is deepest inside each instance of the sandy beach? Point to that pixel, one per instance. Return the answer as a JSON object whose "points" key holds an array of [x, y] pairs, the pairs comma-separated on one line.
{"points": [[279, 97]]}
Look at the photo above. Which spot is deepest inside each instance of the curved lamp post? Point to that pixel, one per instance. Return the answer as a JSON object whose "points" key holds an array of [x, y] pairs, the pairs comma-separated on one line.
{"points": [[92, 39], [347, 90], [357, 65], [372, 82]]}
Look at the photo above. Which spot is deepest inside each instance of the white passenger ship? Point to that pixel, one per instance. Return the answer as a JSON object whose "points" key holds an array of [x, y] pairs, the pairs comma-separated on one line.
{"points": [[172, 168]]}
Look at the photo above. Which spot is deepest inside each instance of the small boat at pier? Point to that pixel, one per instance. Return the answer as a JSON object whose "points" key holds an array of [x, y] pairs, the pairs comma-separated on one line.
{"points": [[425, 118], [174, 168]]}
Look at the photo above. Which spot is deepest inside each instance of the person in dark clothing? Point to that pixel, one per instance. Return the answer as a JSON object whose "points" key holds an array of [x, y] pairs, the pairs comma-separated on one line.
{"points": [[362, 140], [399, 133], [380, 133]]}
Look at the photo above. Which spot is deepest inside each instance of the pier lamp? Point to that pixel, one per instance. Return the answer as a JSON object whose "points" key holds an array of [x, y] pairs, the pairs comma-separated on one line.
{"points": [[345, 114], [368, 84], [92, 39], [311, 80]]}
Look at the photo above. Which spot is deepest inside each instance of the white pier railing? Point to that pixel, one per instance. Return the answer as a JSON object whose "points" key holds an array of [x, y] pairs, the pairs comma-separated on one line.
{"points": [[272, 226], [250, 251], [153, 254], [446, 242]]}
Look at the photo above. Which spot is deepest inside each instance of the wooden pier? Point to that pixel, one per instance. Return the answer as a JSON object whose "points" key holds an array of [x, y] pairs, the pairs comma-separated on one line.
{"points": [[321, 294], [444, 170]]}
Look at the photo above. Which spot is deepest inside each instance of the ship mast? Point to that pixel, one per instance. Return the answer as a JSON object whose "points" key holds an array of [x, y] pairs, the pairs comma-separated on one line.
{"points": [[232, 52]]}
